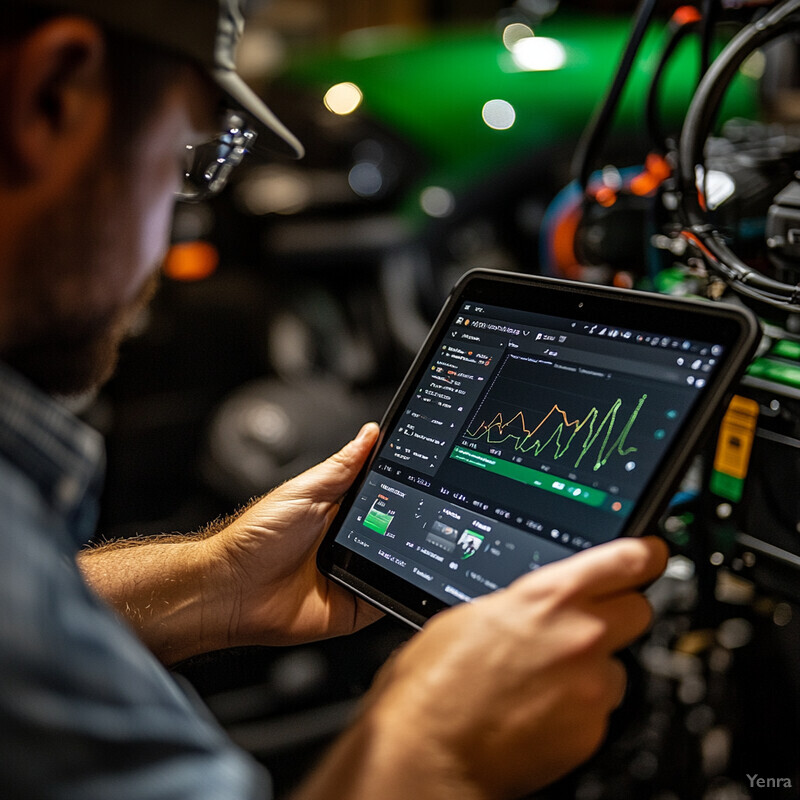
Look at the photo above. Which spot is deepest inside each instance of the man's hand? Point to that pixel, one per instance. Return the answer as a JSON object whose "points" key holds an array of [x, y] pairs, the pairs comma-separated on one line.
{"points": [[277, 594], [501, 696], [253, 582]]}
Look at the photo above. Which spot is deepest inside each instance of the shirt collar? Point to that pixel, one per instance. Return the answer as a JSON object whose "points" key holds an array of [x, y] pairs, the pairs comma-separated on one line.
{"points": [[58, 452]]}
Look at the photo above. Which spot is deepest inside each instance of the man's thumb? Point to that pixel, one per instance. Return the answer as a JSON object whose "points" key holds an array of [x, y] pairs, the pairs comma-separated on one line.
{"points": [[328, 481]]}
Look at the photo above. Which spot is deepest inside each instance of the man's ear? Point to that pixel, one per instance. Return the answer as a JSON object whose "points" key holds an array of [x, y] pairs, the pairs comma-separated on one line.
{"points": [[58, 101]]}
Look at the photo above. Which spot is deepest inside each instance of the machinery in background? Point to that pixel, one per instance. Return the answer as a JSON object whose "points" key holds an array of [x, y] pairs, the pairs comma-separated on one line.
{"points": [[712, 211]]}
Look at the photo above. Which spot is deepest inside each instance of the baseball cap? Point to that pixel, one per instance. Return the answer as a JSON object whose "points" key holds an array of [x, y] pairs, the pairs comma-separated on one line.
{"points": [[204, 31]]}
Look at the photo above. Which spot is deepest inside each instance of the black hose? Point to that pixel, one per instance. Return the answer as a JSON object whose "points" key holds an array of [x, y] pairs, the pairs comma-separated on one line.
{"points": [[652, 120], [699, 119], [709, 11], [593, 135]]}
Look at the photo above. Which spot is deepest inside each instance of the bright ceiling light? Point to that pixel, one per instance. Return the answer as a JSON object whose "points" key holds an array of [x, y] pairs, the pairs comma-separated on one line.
{"points": [[499, 114], [343, 98], [514, 33], [538, 54]]}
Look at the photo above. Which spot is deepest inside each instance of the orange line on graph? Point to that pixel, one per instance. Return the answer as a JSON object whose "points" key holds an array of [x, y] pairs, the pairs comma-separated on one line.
{"points": [[498, 423]]}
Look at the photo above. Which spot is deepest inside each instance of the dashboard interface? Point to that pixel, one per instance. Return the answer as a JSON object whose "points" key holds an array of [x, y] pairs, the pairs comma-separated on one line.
{"points": [[565, 420]]}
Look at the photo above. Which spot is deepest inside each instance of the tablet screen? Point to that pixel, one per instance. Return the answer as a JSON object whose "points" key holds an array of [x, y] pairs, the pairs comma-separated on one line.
{"points": [[524, 437]]}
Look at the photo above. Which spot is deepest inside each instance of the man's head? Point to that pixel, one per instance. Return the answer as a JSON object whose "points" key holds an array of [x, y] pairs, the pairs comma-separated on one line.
{"points": [[94, 124]]}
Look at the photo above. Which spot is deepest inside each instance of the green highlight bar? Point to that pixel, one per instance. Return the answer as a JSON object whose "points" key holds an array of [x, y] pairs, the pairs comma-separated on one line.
{"points": [[777, 371], [378, 521], [534, 477]]}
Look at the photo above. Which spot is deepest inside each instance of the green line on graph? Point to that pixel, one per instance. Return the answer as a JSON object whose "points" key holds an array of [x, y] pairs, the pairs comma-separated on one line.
{"points": [[557, 430]]}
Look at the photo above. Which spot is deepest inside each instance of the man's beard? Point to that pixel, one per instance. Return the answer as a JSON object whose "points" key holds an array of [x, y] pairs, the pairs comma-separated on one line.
{"points": [[69, 304], [73, 357]]}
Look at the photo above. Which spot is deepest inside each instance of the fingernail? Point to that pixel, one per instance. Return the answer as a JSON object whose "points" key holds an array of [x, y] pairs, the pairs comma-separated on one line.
{"points": [[366, 430]]}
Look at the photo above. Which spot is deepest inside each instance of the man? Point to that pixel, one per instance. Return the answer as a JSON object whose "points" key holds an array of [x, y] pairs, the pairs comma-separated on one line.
{"points": [[99, 100]]}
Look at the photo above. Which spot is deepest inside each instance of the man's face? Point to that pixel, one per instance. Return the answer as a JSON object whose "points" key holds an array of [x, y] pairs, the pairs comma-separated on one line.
{"points": [[93, 265]]}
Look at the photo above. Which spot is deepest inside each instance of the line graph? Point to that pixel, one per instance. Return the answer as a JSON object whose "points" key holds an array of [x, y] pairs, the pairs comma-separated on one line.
{"points": [[555, 434]]}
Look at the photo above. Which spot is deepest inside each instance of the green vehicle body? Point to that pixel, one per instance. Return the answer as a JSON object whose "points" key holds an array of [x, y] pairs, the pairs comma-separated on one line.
{"points": [[430, 87]]}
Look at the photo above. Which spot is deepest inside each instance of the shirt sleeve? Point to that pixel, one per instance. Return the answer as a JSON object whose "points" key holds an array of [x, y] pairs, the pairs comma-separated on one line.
{"points": [[86, 711]]}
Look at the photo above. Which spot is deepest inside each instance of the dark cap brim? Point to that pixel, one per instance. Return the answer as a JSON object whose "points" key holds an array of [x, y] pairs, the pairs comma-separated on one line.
{"points": [[275, 137], [205, 32]]}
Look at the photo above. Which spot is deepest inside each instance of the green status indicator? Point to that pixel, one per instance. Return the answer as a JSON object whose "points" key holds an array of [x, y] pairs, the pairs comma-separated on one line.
{"points": [[541, 480], [378, 521]]}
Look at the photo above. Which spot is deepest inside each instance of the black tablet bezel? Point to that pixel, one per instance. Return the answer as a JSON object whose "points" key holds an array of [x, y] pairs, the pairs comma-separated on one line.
{"points": [[736, 327]]}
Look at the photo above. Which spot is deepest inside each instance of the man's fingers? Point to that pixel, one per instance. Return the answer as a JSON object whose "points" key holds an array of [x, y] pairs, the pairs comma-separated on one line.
{"points": [[626, 618], [608, 569]]}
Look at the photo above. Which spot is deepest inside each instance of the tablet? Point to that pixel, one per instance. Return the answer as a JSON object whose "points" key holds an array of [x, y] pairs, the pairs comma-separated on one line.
{"points": [[540, 418]]}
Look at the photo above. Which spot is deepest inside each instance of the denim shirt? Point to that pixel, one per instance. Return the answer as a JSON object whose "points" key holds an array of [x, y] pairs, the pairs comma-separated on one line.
{"points": [[86, 711]]}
